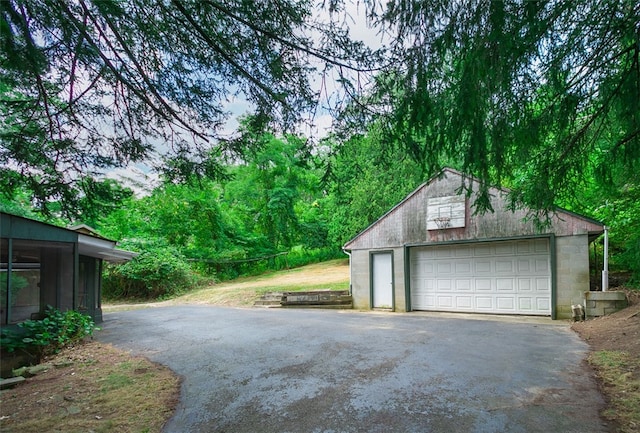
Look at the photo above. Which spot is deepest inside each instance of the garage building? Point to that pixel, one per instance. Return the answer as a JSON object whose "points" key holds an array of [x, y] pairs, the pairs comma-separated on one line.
{"points": [[430, 253]]}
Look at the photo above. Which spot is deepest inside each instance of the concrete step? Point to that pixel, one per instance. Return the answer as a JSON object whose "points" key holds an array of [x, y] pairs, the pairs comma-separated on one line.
{"points": [[11, 382], [269, 300], [263, 303], [307, 299]]}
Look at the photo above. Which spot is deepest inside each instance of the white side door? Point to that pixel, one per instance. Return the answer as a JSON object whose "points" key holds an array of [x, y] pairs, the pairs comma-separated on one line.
{"points": [[382, 284]]}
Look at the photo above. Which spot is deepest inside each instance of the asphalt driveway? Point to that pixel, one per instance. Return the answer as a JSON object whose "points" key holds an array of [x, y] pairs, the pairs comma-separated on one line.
{"points": [[258, 370]]}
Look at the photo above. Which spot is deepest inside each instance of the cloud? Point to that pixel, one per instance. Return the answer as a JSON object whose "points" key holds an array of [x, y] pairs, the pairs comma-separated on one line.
{"points": [[140, 178]]}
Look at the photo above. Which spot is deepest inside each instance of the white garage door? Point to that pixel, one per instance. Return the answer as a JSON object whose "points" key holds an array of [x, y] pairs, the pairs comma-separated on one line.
{"points": [[511, 277]]}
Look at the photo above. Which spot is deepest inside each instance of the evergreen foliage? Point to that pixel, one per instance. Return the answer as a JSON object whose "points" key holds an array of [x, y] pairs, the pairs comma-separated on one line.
{"points": [[94, 84], [366, 178], [534, 95]]}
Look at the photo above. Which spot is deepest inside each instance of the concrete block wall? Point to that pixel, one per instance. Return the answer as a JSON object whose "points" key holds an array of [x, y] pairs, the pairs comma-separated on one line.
{"points": [[572, 272], [603, 303], [360, 279], [398, 280]]}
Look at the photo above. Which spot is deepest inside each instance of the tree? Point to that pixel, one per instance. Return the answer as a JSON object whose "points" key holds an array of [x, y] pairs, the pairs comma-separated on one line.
{"points": [[88, 85], [533, 95], [185, 217], [271, 185], [617, 203], [91, 200], [363, 185]]}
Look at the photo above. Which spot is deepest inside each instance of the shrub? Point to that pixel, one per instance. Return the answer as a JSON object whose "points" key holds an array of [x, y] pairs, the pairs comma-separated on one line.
{"points": [[49, 335], [158, 272], [299, 256]]}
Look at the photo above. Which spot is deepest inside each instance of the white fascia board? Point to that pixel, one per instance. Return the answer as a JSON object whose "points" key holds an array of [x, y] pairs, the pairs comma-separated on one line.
{"points": [[102, 249]]}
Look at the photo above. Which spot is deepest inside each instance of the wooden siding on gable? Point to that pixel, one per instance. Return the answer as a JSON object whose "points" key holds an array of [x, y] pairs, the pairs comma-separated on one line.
{"points": [[407, 223]]}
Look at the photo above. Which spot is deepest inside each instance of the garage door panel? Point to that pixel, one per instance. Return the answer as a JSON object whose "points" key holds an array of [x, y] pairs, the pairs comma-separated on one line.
{"points": [[526, 304], [504, 249], [524, 266], [464, 302], [541, 245], [430, 301], [483, 250], [463, 251], [543, 285], [501, 277], [443, 285], [543, 304], [445, 301], [524, 285], [483, 285], [444, 267], [483, 266], [463, 267], [504, 266], [505, 285], [464, 285], [542, 265], [524, 247], [484, 303], [506, 304]]}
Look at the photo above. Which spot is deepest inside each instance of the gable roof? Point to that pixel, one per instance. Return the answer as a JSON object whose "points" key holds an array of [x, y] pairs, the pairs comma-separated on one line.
{"points": [[86, 230], [406, 230]]}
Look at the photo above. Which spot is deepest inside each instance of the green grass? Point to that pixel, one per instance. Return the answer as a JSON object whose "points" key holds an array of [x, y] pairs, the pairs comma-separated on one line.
{"points": [[243, 292], [303, 287], [620, 374]]}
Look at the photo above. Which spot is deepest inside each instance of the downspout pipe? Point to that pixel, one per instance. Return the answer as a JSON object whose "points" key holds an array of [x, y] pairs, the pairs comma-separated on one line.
{"points": [[349, 254], [605, 261]]}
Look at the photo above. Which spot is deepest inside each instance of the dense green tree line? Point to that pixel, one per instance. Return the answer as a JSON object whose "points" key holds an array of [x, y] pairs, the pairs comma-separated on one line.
{"points": [[284, 196]]}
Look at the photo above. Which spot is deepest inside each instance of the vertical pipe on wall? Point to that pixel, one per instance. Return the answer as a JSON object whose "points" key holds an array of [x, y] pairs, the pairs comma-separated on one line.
{"points": [[9, 283], [605, 261], [596, 265], [554, 276], [350, 279]]}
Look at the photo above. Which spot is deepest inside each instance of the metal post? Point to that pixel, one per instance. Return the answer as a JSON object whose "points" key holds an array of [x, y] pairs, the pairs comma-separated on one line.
{"points": [[9, 298]]}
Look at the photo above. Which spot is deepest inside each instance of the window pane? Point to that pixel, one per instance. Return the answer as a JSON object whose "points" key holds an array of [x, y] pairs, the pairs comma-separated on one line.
{"points": [[57, 275], [24, 291]]}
